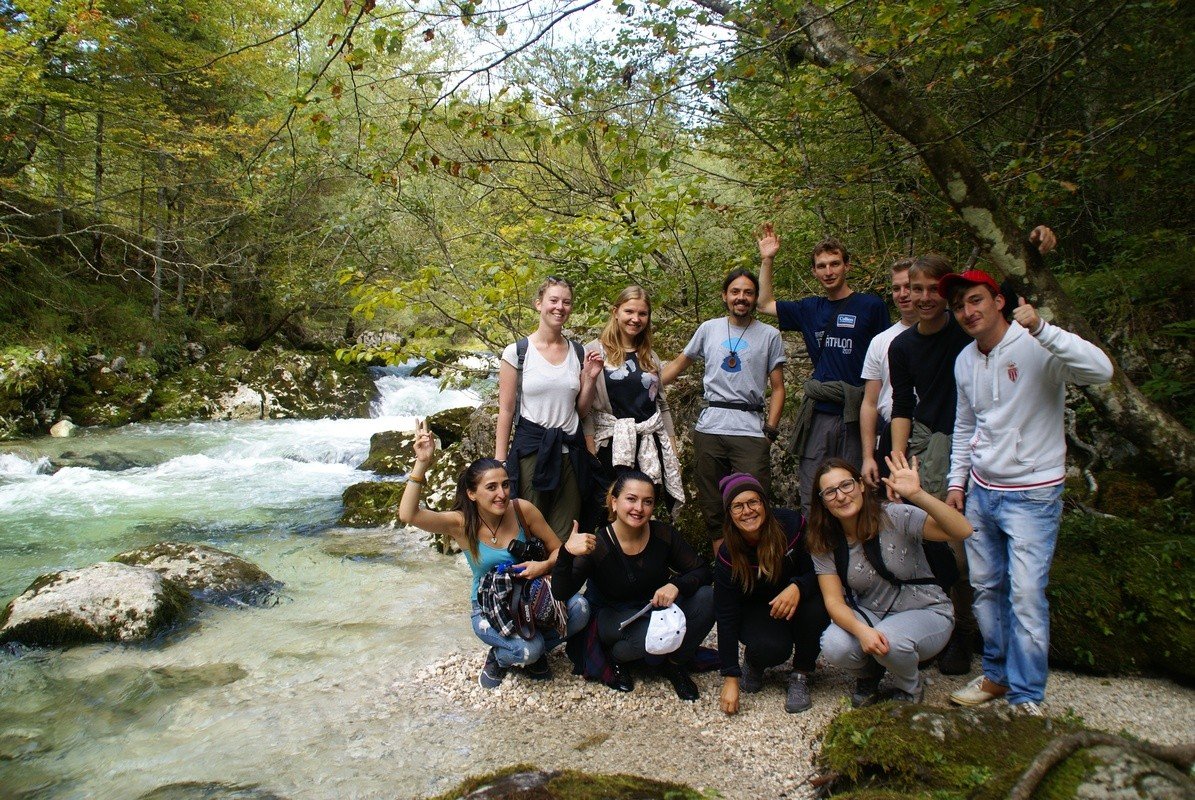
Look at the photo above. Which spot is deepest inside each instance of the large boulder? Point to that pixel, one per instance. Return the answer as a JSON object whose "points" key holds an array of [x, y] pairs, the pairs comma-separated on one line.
{"points": [[371, 504], [106, 602], [913, 751], [211, 575], [240, 403], [389, 453]]}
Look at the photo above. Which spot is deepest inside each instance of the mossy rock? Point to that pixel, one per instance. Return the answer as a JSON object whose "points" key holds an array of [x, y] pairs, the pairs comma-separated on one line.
{"points": [[211, 575], [894, 750], [1087, 618], [450, 425], [526, 782], [1121, 592], [1122, 494], [106, 602], [390, 453], [371, 504]]}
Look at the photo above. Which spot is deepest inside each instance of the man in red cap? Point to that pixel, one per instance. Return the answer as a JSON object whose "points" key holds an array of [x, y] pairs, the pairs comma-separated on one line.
{"points": [[1009, 445]]}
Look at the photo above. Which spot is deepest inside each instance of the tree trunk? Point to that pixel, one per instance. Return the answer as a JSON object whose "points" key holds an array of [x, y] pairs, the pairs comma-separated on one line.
{"points": [[161, 224], [97, 238], [60, 189]]}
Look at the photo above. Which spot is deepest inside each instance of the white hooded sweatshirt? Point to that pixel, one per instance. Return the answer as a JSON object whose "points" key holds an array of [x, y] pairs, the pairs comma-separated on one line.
{"points": [[1008, 429]]}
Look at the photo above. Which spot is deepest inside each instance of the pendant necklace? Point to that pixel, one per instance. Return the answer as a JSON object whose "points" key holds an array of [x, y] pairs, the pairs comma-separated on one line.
{"points": [[493, 530], [731, 362]]}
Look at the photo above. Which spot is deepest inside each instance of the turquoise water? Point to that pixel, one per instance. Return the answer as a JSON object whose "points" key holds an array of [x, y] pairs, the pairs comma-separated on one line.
{"points": [[265, 696]]}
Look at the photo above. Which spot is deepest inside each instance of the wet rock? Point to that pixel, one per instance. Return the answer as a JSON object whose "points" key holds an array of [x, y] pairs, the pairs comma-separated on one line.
{"points": [[211, 575], [371, 504], [103, 462], [106, 602], [1108, 772], [358, 545], [196, 790], [242, 403], [390, 453], [62, 429]]}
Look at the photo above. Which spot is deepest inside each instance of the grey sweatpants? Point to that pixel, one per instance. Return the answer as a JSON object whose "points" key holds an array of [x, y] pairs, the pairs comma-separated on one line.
{"points": [[828, 436], [913, 636]]}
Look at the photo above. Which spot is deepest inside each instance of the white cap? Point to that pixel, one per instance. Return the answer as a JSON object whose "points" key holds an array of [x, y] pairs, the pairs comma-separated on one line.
{"points": [[666, 630]]}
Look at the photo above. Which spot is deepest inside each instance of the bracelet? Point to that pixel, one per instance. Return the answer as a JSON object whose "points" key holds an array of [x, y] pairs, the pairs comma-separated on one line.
{"points": [[413, 479]]}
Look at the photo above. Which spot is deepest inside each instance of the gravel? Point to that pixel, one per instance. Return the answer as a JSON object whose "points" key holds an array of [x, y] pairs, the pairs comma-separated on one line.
{"points": [[762, 752]]}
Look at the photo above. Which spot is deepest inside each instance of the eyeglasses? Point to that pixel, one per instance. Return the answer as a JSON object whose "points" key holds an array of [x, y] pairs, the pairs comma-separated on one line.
{"points": [[846, 487], [754, 504]]}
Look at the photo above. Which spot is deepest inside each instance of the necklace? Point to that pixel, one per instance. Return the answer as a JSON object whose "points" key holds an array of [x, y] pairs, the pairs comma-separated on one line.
{"points": [[491, 528], [731, 362]]}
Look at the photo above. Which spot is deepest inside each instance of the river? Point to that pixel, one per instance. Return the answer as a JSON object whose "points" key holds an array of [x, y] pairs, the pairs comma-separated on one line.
{"points": [[294, 698]]}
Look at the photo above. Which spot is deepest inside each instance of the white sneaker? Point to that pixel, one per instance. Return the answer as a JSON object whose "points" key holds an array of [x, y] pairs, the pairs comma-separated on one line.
{"points": [[1028, 709], [977, 692]]}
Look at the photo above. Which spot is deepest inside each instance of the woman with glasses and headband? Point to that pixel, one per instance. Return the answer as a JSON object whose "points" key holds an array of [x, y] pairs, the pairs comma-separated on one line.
{"points": [[629, 425], [766, 595], [545, 385], [877, 624]]}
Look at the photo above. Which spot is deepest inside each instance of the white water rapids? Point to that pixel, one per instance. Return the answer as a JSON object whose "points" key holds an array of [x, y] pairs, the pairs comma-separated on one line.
{"points": [[295, 698]]}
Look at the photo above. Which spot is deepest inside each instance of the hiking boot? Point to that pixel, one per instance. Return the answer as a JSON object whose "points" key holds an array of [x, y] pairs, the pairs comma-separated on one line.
{"points": [[678, 676], [915, 696], [798, 698], [955, 658], [492, 673], [752, 679], [867, 688], [977, 692], [540, 670], [621, 682], [1029, 708]]}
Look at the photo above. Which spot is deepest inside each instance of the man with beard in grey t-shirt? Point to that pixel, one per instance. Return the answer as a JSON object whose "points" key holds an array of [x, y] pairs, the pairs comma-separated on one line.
{"points": [[743, 357]]}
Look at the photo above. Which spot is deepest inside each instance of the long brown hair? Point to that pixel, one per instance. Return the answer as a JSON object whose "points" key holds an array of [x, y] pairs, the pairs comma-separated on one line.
{"points": [[769, 553], [611, 338], [825, 529], [467, 482]]}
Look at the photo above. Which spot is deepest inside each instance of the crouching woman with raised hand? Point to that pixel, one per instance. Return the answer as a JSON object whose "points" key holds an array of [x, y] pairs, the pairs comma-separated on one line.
{"points": [[880, 624], [484, 521]]}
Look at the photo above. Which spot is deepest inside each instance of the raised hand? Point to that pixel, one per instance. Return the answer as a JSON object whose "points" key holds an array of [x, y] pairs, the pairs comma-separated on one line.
{"points": [[1026, 315], [592, 366], [580, 544], [903, 479], [425, 443], [769, 242]]}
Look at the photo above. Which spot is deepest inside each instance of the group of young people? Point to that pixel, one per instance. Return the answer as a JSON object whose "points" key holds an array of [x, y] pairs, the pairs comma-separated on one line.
{"points": [[946, 426]]}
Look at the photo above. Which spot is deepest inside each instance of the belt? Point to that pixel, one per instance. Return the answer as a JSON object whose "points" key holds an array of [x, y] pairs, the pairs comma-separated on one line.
{"points": [[755, 407]]}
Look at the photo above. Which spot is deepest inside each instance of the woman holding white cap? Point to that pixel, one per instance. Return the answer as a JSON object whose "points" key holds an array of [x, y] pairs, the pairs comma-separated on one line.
{"points": [[635, 567]]}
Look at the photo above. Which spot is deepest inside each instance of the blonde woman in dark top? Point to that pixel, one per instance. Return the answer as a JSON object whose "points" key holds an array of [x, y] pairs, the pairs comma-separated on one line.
{"points": [[631, 563]]}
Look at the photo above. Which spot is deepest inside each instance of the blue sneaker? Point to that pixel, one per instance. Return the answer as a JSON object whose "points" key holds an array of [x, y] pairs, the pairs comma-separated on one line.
{"points": [[492, 673]]}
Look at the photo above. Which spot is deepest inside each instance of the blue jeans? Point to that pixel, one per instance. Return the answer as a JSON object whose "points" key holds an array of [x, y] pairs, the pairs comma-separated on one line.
{"points": [[1009, 556], [514, 650]]}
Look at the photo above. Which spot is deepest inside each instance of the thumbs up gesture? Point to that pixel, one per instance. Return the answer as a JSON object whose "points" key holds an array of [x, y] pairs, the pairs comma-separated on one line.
{"points": [[1026, 315], [580, 544]]}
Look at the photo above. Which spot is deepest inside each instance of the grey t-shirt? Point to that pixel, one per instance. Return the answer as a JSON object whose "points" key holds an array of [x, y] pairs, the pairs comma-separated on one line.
{"points": [[737, 364], [900, 544]]}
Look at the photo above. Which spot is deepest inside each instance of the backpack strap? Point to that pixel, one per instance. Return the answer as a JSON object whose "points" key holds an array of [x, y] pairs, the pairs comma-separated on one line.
{"points": [[874, 556], [842, 558]]}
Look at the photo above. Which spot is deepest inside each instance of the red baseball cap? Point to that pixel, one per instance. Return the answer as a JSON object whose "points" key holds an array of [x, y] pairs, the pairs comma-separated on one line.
{"points": [[972, 277]]}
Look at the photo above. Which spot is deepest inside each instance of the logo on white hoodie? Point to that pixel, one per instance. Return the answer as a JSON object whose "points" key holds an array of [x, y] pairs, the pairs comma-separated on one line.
{"points": [[1012, 371]]}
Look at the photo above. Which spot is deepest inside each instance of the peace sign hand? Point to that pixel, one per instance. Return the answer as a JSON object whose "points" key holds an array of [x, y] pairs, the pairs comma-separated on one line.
{"points": [[903, 478], [425, 443]]}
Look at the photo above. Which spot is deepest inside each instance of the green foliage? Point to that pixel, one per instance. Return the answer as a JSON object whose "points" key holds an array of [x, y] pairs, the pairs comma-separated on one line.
{"points": [[1121, 591]]}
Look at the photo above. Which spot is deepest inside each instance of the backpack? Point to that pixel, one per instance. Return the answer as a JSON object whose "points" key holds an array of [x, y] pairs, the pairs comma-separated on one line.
{"points": [[521, 356]]}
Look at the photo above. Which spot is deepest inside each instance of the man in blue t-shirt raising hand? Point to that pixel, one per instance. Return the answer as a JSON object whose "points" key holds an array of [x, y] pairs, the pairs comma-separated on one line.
{"points": [[837, 329]]}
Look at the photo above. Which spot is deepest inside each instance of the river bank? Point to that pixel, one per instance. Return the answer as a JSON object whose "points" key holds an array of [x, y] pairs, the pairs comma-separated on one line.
{"points": [[762, 752]]}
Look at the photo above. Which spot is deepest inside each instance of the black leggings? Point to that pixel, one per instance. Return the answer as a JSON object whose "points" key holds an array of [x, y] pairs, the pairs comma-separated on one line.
{"points": [[630, 644], [769, 641]]}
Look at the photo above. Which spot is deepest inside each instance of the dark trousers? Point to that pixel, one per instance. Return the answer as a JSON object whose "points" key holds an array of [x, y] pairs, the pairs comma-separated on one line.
{"points": [[718, 455], [769, 641], [630, 644]]}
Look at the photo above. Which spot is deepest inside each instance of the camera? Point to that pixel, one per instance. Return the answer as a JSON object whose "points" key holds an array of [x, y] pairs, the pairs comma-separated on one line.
{"points": [[532, 550]]}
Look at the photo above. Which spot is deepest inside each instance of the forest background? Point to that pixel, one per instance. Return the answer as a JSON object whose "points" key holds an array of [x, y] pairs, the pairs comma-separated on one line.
{"points": [[249, 173]]}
